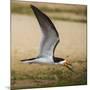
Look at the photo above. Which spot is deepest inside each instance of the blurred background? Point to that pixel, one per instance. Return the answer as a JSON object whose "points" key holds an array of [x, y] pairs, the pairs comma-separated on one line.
{"points": [[56, 11], [71, 24]]}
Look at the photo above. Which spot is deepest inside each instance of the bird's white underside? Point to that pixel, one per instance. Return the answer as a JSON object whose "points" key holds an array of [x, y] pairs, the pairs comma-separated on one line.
{"points": [[43, 60]]}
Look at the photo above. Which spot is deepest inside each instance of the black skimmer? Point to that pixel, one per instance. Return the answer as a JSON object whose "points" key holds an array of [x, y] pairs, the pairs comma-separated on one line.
{"points": [[49, 42]]}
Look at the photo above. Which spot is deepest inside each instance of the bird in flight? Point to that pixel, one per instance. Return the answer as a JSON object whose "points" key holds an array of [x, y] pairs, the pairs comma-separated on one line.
{"points": [[50, 39]]}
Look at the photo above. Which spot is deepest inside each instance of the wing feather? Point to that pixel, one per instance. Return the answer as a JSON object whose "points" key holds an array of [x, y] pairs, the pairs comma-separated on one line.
{"points": [[50, 35]]}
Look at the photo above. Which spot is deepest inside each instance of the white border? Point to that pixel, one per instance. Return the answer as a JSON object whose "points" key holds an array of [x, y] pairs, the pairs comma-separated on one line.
{"points": [[5, 44]]}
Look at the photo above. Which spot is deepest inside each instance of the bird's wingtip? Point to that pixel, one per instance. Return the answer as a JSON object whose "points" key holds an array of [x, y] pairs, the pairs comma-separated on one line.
{"points": [[32, 6]]}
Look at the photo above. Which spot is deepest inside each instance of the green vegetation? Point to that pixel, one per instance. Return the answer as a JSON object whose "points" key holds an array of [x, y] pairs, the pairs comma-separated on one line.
{"points": [[25, 9], [69, 19], [47, 76], [20, 9], [62, 10]]}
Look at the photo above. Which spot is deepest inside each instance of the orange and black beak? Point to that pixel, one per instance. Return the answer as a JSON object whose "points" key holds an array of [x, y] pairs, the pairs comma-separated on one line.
{"points": [[68, 65]]}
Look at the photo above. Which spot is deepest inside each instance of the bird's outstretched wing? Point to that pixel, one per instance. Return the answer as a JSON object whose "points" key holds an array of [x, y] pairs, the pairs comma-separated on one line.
{"points": [[50, 35]]}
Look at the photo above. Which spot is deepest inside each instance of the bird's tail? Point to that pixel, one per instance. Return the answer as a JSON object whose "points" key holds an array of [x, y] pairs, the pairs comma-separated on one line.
{"points": [[29, 61]]}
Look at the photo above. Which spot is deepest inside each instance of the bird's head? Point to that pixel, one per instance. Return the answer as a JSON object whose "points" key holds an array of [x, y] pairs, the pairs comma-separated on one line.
{"points": [[65, 62]]}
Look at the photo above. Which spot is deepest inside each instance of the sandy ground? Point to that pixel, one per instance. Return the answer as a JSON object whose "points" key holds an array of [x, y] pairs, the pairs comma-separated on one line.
{"points": [[25, 38]]}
